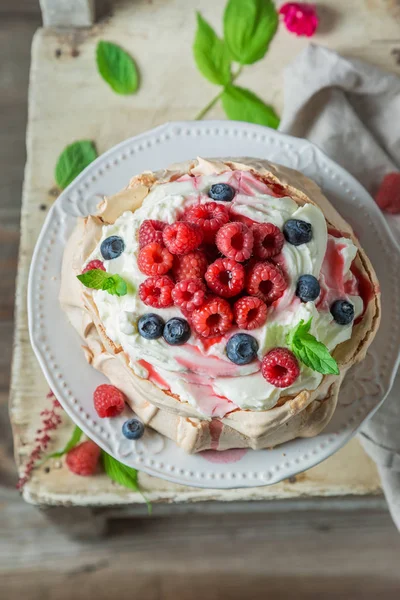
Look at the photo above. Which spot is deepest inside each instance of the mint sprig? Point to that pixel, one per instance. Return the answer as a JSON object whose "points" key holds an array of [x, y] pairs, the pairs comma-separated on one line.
{"points": [[122, 474], [100, 280], [72, 160], [310, 351], [249, 26], [117, 68]]}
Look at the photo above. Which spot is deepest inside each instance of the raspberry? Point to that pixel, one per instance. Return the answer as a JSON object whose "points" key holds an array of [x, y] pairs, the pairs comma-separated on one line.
{"points": [[266, 281], [153, 259], [189, 294], [213, 318], [189, 266], [250, 312], [280, 367], [83, 459], [209, 217], [268, 240], [156, 291], [225, 277], [388, 194], [235, 240], [182, 237], [151, 231], [108, 400], [94, 264]]}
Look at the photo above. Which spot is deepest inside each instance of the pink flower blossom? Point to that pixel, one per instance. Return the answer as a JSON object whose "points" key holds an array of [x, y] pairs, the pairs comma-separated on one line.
{"points": [[300, 18]]}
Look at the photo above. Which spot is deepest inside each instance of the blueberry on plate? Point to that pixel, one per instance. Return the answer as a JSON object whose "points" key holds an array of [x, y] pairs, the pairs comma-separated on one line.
{"points": [[242, 348], [150, 326], [342, 311], [112, 247], [133, 429], [222, 192], [176, 331], [297, 232], [307, 288]]}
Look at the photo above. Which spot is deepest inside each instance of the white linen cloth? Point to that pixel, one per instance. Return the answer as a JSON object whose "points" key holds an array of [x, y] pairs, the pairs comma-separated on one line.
{"points": [[351, 110]]}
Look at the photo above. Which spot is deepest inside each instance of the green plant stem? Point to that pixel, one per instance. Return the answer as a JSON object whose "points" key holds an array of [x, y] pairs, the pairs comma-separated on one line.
{"points": [[214, 101]]}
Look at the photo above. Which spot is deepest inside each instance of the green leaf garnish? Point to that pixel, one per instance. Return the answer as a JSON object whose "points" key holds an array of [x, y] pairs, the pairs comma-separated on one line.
{"points": [[72, 442], [211, 54], [123, 475], [72, 160], [241, 104], [117, 68], [249, 26], [100, 280], [310, 351]]}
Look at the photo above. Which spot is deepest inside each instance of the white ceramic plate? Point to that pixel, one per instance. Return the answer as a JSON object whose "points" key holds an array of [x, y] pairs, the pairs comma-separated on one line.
{"points": [[57, 346]]}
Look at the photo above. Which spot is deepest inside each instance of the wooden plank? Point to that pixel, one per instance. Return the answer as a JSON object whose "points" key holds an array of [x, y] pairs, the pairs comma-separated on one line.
{"points": [[171, 88], [310, 555]]}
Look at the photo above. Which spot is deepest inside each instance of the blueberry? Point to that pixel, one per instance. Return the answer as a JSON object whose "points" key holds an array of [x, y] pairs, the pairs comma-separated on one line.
{"points": [[133, 429], [112, 247], [242, 348], [222, 192], [307, 288], [150, 326], [176, 331], [297, 232], [343, 312]]}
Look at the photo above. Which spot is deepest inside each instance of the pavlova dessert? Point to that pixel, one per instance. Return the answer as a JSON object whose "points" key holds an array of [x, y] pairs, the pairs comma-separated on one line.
{"points": [[224, 300]]}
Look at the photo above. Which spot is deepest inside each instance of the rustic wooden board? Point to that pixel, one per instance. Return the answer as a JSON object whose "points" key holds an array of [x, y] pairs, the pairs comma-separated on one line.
{"points": [[69, 101]]}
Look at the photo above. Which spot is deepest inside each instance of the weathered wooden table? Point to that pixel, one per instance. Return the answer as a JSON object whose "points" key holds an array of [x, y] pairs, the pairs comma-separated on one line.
{"points": [[69, 101]]}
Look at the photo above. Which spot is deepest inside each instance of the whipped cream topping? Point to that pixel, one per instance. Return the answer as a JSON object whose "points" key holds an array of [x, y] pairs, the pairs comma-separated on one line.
{"points": [[200, 373]]}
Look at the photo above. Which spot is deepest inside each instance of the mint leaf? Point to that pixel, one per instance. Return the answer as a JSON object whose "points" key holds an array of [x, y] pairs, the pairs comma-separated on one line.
{"points": [[115, 285], [241, 104], [211, 54], [73, 441], [249, 26], [117, 68], [72, 160], [315, 355], [97, 279], [310, 351], [122, 474]]}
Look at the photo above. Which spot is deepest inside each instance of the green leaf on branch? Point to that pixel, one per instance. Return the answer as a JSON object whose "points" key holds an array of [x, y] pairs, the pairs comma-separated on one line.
{"points": [[122, 474], [72, 160], [241, 104], [72, 442], [117, 68], [211, 54], [249, 26]]}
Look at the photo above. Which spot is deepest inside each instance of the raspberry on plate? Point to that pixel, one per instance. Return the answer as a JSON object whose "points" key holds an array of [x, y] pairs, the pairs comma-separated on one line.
{"points": [[189, 266], [157, 291], [266, 281], [213, 318], [94, 264], [153, 259], [280, 367], [225, 277], [268, 240], [182, 237], [151, 231], [250, 312], [209, 217], [108, 400], [84, 458], [235, 240], [189, 294]]}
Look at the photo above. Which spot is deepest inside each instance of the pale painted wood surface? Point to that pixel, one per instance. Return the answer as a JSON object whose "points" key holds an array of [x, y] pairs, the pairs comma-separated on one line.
{"points": [[68, 13], [69, 101]]}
